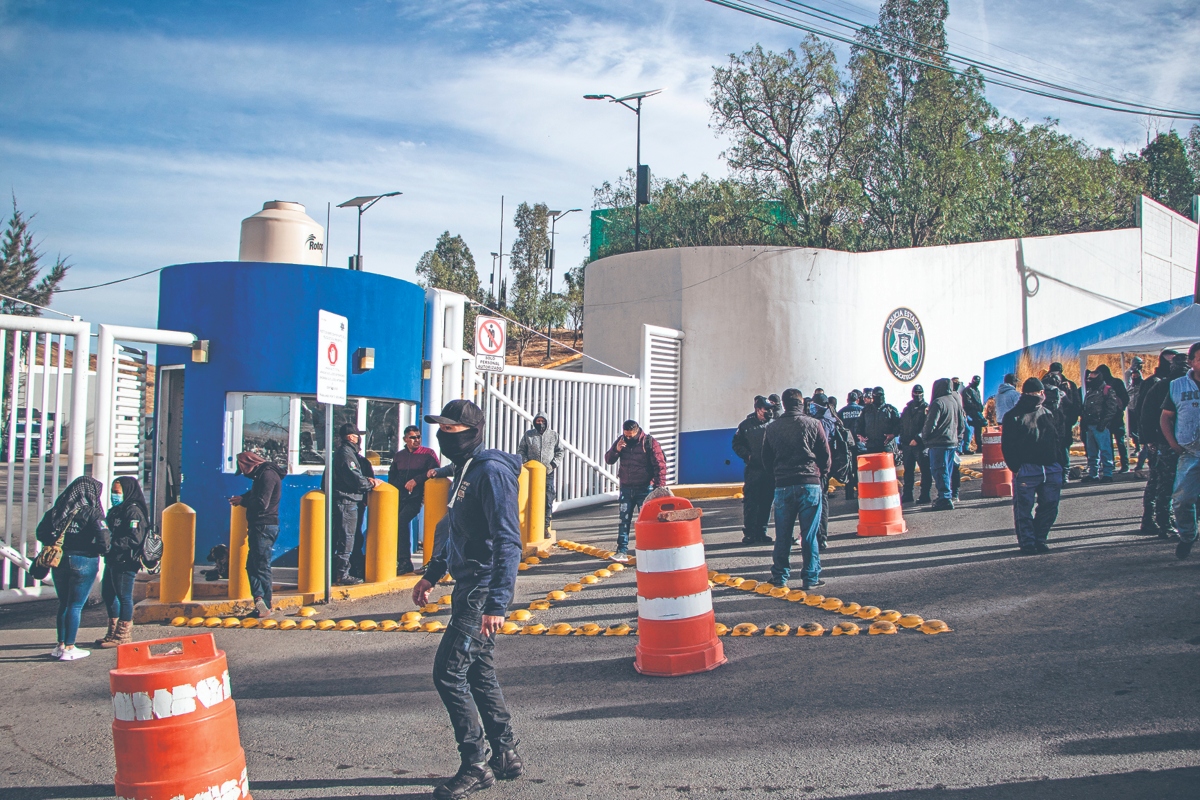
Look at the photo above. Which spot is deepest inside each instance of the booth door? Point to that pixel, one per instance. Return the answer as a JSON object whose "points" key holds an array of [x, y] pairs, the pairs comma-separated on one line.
{"points": [[168, 439]]}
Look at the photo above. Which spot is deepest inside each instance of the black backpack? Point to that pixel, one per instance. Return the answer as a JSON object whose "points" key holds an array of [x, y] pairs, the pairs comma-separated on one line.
{"points": [[150, 553], [843, 454]]}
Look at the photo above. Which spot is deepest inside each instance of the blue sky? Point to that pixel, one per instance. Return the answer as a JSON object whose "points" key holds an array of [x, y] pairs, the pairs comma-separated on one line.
{"points": [[142, 133]]}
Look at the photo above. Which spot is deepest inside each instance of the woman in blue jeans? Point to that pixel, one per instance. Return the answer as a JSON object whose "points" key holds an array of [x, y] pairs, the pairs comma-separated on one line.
{"points": [[128, 518], [77, 519]]}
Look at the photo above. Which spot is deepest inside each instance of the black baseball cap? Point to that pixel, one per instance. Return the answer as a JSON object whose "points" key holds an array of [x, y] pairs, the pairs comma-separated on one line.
{"points": [[458, 412], [348, 429]]}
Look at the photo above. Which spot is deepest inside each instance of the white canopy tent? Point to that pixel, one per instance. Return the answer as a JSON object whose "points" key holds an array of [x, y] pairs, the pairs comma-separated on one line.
{"points": [[1177, 330]]}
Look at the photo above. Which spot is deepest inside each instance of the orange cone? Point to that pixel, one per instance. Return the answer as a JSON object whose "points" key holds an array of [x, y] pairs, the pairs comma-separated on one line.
{"points": [[997, 477], [175, 729], [677, 632], [879, 512]]}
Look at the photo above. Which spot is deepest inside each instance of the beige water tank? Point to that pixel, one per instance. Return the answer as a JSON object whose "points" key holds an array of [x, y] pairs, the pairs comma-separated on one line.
{"points": [[282, 233]]}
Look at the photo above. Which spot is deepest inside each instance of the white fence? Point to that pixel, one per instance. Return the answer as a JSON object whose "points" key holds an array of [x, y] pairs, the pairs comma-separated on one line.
{"points": [[586, 410]]}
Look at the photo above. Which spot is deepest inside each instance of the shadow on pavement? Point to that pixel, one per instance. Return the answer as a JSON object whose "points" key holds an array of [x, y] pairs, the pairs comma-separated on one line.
{"points": [[1128, 745], [1161, 785], [106, 791]]}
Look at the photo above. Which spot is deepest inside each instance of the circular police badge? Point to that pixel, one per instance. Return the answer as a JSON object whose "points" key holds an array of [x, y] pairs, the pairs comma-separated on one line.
{"points": [[903, 344]]}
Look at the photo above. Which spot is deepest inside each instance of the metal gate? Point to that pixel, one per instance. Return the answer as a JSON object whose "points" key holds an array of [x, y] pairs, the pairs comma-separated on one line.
{"points": [[129, 449], [662, 360]]}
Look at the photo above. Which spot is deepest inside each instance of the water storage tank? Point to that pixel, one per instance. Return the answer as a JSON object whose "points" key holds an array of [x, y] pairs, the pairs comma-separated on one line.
{"points": [[282, 233]]}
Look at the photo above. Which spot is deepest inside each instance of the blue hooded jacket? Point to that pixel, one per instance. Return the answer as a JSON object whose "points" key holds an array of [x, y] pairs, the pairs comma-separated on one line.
{"points": [[483, 547]]}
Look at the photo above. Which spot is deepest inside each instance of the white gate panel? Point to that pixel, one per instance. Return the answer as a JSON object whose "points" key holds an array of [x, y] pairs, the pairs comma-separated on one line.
{"points": [[662, 358]]}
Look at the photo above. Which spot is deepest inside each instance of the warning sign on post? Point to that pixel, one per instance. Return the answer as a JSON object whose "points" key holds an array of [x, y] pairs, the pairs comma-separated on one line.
{"points": [[333, 337], [489, 344]]}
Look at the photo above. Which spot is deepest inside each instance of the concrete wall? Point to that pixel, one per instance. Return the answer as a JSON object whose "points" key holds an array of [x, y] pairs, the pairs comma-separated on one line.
{"points": [[758, 320]]}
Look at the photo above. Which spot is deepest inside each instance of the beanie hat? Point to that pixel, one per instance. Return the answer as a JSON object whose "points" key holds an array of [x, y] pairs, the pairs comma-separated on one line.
{"points": [[1032, 386]]}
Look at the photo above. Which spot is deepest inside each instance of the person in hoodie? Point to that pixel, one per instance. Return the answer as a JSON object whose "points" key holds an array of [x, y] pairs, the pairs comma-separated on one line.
{"points": [[879, 424], [758, 488], [944, 420], [643, 468], [912, 422], [1103, 407], [1029, 440], [543, 445], [820, 411], [1006, 397], [262, 523], [973, 407], [481, 549], [127, 520], [1157, 515]]}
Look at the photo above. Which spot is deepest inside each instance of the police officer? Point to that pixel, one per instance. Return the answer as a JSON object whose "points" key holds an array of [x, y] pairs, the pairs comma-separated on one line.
{"points": [[912, 422], [850, 414], [758, 490], [350, 487], [482, 549]]}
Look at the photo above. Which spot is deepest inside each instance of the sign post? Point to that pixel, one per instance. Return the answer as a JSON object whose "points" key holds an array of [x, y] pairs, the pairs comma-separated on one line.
{"points": [[490, 344], [333, 341]]}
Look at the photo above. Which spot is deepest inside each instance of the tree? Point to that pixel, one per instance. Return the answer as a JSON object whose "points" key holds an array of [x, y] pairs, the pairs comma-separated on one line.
{"points": [[574, 299], [20, 266], [528, 302], [1169, 176], [450, 265]]}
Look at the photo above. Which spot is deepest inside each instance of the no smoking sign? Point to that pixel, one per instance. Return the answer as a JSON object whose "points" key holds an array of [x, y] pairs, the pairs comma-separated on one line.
{"points": [[490, 344]]}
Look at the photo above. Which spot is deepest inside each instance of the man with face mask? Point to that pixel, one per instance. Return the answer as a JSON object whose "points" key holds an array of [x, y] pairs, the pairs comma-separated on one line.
{"points": [[350, 486], [912, 421], [758, 485], [973, 408], [879, 424], [544, 446], [643, 467], [1029, 441], [481, 548]]}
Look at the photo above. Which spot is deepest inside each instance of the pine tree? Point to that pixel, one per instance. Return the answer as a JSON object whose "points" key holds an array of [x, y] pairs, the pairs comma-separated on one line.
{"points": [[20, 266], [1169, 177], [529, 304], [450, 265]]}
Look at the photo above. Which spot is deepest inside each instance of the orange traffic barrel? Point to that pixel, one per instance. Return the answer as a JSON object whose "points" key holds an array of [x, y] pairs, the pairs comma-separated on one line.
{"points": [[175, 729], [879, 512], [677, 631], [997, 477]]}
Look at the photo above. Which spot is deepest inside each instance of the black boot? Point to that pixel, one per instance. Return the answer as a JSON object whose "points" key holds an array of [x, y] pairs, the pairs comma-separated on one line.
{"points": [[470, 778], [506, 763]]}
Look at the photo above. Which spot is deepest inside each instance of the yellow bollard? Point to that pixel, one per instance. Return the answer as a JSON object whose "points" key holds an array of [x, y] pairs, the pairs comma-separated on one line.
{"points": [[534, 529], [437, 502], [383, 512], [179, 554], [311, 573], [239, 548], [523, 503]]}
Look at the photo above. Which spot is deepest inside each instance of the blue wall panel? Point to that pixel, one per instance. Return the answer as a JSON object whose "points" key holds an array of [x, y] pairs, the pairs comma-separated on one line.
{"points": [[261, 321], [708, 457]]}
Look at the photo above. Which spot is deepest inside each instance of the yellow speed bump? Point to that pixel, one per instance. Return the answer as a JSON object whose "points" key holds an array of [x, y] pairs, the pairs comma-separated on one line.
{"points": [[307, 624], [778, 629], [536, 629], [910, 621], [249, 622], [520, 615], [433, 627], [734, 582], [539, 605], [195, 622], [745, 629], [778, 591], [720, 578], [845, 629], [560, 629], [881, 626], [763, 588], [556, 595], [850, 609], [748, 586], [573, 587], [180, 622], [212, 622], [231, 622], [347, 625], [602, 573], [588, 629], [268, 624], [867, 613], [889, 616], [831, 604], [306, 611], [814, 600], [431, 608], [796, 595], [287, 625], [620, 629], [616, 567], [368, 625], [934, 626], [810, 629], [533, 561], [326, 625], [722, 629], [410, 616], [712, 574], [410, 626], [589, 579], [509, 628], [445, 600], [522, 567]]}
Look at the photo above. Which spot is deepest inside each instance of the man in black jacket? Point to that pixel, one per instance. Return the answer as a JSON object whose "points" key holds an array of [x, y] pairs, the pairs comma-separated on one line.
{"points": [[973, 408], [796, 452], [1158, 517], [879, 424], [912, 420], [1029, 440], [758, 489], [262, 524], [850, 414], [350, 486]]}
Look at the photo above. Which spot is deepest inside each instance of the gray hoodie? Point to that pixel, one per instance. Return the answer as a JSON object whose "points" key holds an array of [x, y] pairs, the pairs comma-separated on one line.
{"points": [[544, 447], [1006, 397], [945, 417]]}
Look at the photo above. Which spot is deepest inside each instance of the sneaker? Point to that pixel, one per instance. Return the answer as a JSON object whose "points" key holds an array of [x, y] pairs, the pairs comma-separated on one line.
{"points": [[57, 651], [469, 778], [942, 505], [620, 557], [923, 499], [1183, 550], [405, 568], [1042, 547], [954, 497], [261, 609], [1106, 479], [766, 540], [74, 654], [1124, 468], [506, 764], [1029, 551], [348, 580], [778, 584], [906, 498], [814, 584]]}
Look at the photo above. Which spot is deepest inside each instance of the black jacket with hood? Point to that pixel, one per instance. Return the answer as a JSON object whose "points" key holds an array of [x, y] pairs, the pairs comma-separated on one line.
{"points": [[262, 501], [748, 444], [944, 419], [349, 482], [127, 524], [912, 420], [877, 422], [1029, 435]]}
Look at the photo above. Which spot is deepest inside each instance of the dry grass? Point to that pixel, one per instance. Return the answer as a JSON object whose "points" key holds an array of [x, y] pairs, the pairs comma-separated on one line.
{"points": [[1028, 367]]}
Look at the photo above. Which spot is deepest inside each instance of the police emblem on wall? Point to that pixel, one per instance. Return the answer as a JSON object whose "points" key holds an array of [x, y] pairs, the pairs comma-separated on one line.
{"points": [[903, 344]]}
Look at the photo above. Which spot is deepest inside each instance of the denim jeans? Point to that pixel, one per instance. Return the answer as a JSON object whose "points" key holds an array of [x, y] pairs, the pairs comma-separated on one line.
{"points": [[1099, 444], [73, 579], [1183, 500], [345, 520], [116, 587], [261, 541], [1040, 486], [800, 503], [941, 464], [758, 493], [464, 673], [631, 500]]}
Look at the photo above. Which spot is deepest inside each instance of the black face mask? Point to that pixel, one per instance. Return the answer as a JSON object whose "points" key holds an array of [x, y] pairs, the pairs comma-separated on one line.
{"points": [[540, 427], [458, 447]]}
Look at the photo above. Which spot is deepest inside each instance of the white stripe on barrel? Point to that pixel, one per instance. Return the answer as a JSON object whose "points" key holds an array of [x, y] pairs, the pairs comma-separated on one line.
{"points": [[668, 608], [671, 560], [879, 503], [876, 475]]}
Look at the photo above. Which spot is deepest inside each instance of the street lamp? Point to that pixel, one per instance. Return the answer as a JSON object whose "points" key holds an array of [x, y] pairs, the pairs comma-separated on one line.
{"points": [[492, 286], [362, 204], [642, 195], [555, 216]]}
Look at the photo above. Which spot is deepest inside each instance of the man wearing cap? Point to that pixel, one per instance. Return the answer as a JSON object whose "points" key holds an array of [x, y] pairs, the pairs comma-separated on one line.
{"points": [[643, 467], [758, 488], [350, 487], [1029, 440], [912, 422], [481, 549], [850, 414]]}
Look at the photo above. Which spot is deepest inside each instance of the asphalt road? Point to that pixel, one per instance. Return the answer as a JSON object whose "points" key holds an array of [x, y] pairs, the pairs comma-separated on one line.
{"points": [[1068, 675]]}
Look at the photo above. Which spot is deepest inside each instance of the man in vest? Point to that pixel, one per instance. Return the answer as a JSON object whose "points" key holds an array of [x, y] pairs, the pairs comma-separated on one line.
{"points": [[1181, 428]]}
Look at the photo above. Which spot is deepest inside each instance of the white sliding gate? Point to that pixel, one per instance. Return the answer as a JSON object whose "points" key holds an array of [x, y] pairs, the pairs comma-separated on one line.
{"points": [[662, 358]]}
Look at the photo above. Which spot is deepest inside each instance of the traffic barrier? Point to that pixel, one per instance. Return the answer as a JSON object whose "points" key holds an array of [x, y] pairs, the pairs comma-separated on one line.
{"points": [[879, 512], [310, 575], [676, 625], [179, 554], [175, 730], [239, 549], [383, 513], [997, 477], [437, 505], [533, 502]]}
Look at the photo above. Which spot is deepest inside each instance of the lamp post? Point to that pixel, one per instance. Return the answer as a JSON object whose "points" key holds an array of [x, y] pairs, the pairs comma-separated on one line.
{"points": [[362, 204], [492, 288], [642, 191], [555, 216]]}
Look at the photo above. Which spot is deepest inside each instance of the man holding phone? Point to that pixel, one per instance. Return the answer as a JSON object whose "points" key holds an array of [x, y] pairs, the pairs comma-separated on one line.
{"points": [[642, 469], [482, 549]]}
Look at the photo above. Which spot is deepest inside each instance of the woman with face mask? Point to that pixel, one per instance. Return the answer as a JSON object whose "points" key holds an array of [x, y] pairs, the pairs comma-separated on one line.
{"points": [[128, 519]]}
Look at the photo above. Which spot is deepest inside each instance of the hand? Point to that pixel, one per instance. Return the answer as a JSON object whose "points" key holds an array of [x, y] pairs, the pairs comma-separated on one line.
{"points": [[431, 474], [375, 482], [410, 485], [420, 592], [620, 444], [491, 624], [1177, 447], [913, 443], [236, 500]]}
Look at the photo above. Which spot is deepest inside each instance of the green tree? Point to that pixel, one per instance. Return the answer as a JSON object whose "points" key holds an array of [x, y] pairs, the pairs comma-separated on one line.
{"points": [[20, 267], [1169, 176], [450, 265], [574, 300], [528, 300]]}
